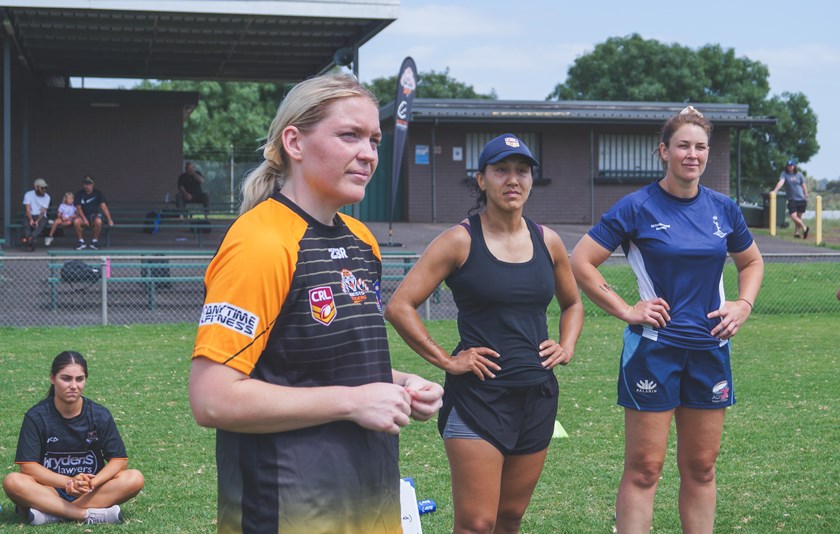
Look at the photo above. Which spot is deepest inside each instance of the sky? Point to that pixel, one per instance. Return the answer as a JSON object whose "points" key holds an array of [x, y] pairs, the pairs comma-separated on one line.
{"points": [[523, 48]]}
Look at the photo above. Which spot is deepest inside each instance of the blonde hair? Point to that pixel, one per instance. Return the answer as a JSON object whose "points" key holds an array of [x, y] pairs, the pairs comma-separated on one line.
{"points": [[689, 115], [306, 105], [67, 195]]}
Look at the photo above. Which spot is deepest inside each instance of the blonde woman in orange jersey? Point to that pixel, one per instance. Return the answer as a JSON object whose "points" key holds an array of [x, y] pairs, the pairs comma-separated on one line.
{"points": [[291, 362]]}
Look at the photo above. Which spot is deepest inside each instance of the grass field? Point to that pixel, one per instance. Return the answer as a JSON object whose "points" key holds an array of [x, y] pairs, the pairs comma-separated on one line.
{"points": [[779, 470]]}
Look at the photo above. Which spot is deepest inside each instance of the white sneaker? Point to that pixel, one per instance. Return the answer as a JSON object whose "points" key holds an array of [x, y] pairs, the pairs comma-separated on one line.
{"points": [[111, 515], [94, 245], [48, 241], [81, 246], [37, 517]]}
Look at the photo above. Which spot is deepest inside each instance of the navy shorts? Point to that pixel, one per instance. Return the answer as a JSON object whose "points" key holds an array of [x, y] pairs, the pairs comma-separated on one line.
{"points": [[64, 495], [655, 378]]}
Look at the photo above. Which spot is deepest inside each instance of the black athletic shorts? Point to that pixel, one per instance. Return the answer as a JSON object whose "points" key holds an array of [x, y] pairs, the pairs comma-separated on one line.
{"points": [[797, 206], [515, 420]]}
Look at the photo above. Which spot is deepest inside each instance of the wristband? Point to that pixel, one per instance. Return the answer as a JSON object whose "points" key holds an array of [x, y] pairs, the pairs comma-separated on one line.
{"points": [[748, 303]]}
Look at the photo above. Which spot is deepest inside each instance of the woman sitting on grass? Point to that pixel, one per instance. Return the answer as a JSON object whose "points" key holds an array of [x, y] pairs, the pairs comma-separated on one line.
{"points": [[62, 450]]}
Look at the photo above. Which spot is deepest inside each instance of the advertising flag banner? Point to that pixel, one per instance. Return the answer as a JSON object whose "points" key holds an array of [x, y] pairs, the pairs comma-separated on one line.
{"points": [[406, 89]]}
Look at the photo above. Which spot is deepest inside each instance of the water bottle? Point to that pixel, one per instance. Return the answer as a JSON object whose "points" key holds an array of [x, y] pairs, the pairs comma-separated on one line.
{"points": [[426, 506]]}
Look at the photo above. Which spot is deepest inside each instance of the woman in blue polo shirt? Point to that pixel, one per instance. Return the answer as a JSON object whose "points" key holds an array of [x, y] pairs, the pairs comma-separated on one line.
{"points": [[676, 235]]}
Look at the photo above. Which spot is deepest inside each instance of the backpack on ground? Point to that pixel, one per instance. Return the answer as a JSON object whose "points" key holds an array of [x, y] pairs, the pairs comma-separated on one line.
{"points": [[160, 269], [79, 272], [201, 225]]}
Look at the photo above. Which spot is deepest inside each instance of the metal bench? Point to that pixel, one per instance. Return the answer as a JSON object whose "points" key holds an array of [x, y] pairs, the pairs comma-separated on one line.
{"points": [[149, 277]]}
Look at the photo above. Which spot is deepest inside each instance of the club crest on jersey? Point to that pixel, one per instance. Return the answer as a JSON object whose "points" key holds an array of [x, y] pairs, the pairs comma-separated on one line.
{"points": [[355, 288], [322, 304], [719, 233]]}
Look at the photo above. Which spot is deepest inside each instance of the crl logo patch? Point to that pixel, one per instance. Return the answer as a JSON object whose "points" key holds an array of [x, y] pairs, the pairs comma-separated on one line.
{"points": [[322, 304]]}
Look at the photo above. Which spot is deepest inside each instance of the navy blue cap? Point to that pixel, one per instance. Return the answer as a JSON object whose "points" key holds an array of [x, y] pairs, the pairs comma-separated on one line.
{"points": [[503, 146], [791, 162]]}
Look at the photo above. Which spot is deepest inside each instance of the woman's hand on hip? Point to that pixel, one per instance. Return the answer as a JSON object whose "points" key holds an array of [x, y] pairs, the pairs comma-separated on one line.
{"points": [[732, 315], [553, 353], [653, 313], [475, 360]]}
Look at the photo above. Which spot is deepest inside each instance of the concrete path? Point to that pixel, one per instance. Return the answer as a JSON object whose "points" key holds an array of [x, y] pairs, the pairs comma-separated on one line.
{"points": [[414, 237]]}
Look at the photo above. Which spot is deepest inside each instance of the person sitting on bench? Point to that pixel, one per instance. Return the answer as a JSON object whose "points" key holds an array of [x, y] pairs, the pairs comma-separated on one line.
{"points": [[91, 209], [189, 189]]}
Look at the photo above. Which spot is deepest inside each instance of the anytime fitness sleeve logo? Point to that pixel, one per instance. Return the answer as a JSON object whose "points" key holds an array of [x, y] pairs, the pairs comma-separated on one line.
{"points": [[229, 316]]}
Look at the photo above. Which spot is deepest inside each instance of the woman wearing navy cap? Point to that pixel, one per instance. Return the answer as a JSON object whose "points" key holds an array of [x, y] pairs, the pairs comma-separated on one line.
{"points": [[500, 400]]}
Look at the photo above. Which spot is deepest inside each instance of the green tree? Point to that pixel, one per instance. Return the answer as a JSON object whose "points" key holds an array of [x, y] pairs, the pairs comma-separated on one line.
{"points": [[236, 113], [635, 69], [430, 84]]}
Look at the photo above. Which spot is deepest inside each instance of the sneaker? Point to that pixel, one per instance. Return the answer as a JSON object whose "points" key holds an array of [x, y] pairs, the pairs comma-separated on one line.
{"points": [[796, 236], [81, 246], [805, 233], [111, 515], [37, 517], [48, 241], [94, 245]]}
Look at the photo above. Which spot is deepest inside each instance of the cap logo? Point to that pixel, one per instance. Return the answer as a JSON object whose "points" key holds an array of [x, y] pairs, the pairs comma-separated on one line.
{"points": [[512, 142]]}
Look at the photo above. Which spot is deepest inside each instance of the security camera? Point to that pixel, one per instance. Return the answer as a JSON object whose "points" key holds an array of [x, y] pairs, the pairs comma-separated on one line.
{"points": [[344, 56]]}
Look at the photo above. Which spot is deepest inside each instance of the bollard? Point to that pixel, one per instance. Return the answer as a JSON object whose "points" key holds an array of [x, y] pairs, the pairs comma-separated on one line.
{"points": [[818, 223]]}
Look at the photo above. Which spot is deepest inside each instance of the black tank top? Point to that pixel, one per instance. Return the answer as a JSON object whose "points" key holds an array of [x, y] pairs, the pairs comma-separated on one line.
{"points": [[502, 306]]}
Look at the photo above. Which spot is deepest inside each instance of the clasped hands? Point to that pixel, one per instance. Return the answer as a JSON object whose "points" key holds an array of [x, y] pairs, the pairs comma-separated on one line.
{"points": [[79, 485]]}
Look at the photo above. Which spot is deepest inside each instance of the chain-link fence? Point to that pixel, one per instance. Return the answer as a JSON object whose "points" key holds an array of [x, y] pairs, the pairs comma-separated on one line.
{"points": [[140, 288], [223, 175]]}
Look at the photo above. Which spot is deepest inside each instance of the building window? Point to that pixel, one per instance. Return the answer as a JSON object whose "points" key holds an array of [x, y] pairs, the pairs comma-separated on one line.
{"points": [[476, 141], [628, 157]]}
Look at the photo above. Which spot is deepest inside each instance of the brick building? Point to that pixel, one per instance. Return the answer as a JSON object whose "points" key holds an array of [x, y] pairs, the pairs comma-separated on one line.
{"points": [[591, 153], [131, 141]]}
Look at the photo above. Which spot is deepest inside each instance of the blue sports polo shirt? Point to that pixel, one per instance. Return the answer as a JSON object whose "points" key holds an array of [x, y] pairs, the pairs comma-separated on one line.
{"points": [[677, 248]]}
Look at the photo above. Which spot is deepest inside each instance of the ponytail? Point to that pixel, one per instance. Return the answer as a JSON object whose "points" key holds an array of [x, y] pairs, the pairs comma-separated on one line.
{"points": [[260, 185]]}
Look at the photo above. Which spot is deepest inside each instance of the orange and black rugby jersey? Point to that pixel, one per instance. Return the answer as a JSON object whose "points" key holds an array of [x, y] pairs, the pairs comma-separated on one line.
{"points": [[294, 302]]}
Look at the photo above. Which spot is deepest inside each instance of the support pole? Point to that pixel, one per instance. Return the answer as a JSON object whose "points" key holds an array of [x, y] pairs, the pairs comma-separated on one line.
{"points": [[7, 139]]}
